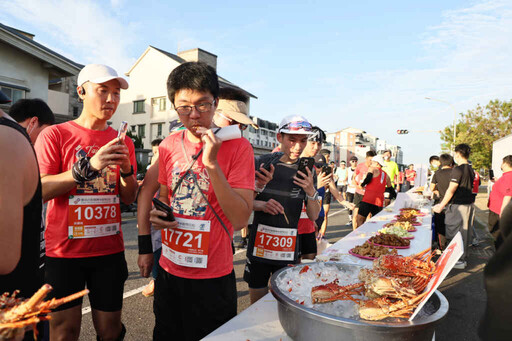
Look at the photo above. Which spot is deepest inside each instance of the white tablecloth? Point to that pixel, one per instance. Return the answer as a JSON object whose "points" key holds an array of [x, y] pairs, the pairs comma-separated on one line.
{"points": [[261, 322]]}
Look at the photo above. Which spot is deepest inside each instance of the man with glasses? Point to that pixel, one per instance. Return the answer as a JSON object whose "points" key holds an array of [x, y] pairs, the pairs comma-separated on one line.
{"points": [[209, 185], [273, 241]]}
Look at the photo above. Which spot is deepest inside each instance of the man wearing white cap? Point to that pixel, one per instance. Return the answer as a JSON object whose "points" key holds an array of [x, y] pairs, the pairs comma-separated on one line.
{"points": [[273, 241], [86, 169], [377, 182]]}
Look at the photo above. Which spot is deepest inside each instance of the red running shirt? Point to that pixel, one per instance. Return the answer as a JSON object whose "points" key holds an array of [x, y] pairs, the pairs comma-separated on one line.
{"points": [[305, 225], [236, 159], [501, 189], [374, 193], [58, 147]]}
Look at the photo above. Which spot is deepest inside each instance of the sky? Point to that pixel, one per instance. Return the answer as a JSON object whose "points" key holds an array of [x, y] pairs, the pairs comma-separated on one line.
{"points": [[362, 64]]}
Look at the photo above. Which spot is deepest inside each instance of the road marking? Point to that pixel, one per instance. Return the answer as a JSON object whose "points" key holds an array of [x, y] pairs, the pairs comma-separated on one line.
{"points": [[127, 294], [341, 210]]}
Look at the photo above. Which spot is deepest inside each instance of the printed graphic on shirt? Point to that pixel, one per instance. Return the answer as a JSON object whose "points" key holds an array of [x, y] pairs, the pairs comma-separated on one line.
{"points": [[105, 183], [187, 199]]}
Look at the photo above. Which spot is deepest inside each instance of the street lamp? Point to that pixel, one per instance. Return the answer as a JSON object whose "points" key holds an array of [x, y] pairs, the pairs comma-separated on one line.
{"points": [[454, 116]]}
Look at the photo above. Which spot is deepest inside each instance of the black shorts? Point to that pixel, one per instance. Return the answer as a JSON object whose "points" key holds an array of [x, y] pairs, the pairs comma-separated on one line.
{"points": [[319, 221], [189, 309], [307, 242], [342, 188], [327, 198], [104, 276], [366, 208], [358, 198], [257, 274], [350, 197], [439, 223]]}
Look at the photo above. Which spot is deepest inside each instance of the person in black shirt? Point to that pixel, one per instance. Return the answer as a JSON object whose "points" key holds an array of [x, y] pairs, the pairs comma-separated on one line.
{"points": [[459, 200], [20, 209], [439, 185], [273, 241]]}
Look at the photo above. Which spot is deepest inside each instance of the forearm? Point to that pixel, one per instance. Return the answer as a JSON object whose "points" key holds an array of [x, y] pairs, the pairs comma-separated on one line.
{"points": [[313, 209], [128, 189], [448, 196], [234, 206], [146, 193], [504, 204], [54, 186], [258, 205]]}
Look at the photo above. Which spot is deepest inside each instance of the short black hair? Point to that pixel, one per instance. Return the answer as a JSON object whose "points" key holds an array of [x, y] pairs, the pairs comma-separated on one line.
{"points": [[325, 152], [233, 95], [446, 160], [433, 158], [318, 136], [33, 107], [508, 160], [156, 142], [463, 149], [387, 151], [194, 76], [370, 153]]}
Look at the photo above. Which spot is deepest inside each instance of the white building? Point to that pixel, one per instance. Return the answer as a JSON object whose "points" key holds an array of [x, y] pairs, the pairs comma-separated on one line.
{"points": [[145, 104], [26, 68], [264, 139]]}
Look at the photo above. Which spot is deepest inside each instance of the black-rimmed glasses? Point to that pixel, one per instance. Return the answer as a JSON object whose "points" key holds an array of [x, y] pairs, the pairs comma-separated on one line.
{"points": [[201, 107]]}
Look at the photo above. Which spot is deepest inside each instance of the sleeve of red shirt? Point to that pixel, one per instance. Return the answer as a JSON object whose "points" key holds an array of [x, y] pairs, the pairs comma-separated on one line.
{"points": [[241, 174], [162, 156], [507, 187], [47, 149]]}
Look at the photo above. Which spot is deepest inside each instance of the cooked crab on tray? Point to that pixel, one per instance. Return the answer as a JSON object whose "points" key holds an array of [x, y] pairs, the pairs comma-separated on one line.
{"points": [[391, 289]]}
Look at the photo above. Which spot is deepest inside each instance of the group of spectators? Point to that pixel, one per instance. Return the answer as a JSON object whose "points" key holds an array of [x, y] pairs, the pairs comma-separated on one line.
{"points": [[84, 168]]}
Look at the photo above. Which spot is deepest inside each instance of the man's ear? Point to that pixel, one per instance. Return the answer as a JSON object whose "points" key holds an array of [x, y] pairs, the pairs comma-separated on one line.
{"points": [[279, 137], [81, 92], [34, 121]]}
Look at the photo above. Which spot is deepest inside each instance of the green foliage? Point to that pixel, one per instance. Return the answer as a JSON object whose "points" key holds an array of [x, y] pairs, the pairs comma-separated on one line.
{"points": [[137, 141], [479, 128]]}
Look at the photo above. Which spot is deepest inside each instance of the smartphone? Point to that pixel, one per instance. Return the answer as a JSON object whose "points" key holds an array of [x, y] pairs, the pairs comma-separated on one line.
{"points": [[123, 128], [491, 174], [161, 206], [326, 169], [305, 162]]}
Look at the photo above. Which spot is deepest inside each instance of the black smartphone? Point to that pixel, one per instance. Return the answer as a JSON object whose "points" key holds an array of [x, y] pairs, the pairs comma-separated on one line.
{"points": [[305, 162], [326, 169], [491, 174], [164, 208]]}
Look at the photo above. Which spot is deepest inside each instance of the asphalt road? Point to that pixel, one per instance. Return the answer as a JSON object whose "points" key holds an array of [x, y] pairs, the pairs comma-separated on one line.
{"points": [[463, 288]]}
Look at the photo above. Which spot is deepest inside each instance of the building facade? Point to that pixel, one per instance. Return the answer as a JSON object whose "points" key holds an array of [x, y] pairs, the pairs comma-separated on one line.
{"points": [[27, 67], [264, 139], [145, 104]]}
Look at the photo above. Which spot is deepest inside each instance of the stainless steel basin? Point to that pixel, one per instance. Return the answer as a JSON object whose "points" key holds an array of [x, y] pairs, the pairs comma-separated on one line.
{"points": [[305, 324]]}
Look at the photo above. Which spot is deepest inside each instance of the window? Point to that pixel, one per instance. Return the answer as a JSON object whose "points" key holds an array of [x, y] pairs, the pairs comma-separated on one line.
{"points": [[251, 129], [264, 132], [158, 102], [141, 130], [159, 129], [133, 128], [12, 93], [138, 107]]}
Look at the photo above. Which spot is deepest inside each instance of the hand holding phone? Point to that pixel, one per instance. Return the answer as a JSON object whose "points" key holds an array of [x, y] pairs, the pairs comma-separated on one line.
{"points": [[305, 162], [161, 206], [121, 134]]}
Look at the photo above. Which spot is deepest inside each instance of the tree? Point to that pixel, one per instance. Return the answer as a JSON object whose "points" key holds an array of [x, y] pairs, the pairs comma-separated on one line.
{"points": [[137, 140], [479, 128]]}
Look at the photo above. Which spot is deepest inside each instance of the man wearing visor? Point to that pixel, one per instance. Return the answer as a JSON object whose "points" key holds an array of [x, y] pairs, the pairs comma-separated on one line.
{"points": [[273, 241]]}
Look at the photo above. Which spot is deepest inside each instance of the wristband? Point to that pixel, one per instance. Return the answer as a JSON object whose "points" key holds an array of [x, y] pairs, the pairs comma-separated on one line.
{"points": [[125, 175], [145, 244], [82, 172], [259, 190]]}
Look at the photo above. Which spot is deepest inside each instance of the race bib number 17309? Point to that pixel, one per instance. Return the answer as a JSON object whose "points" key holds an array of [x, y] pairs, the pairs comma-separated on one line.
{"points": [[275, 243]]}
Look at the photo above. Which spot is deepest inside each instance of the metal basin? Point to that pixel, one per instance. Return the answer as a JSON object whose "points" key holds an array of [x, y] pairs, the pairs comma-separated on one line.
{"points": [[305, 324]]}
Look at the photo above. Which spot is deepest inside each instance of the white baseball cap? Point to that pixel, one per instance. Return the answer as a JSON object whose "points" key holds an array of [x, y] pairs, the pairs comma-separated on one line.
{"points": [[295, 124], [379, 159], [98, 74]]}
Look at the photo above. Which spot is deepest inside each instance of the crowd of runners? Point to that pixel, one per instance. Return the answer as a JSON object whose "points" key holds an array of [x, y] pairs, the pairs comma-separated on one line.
{"points": [[203, 188]]}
